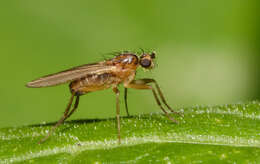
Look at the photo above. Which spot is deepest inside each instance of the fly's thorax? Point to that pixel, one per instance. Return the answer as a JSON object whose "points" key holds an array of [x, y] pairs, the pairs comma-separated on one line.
{"points": [[126, 65], [125, 61], [129, 78]]}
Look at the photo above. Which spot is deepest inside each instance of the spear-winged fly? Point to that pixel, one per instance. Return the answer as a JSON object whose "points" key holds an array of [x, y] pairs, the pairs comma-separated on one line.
{"points": [[103, 75]]}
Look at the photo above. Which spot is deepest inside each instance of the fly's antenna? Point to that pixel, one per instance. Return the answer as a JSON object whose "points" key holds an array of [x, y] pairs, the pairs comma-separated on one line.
{"points": [[155, 59]]}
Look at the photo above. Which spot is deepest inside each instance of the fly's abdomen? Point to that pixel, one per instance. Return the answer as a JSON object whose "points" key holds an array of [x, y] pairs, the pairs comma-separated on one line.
{"points": [[93, 82]]}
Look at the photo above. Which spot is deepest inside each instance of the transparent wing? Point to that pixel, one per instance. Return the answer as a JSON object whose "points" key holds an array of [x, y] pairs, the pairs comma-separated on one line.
{"points": [[70, 75]]}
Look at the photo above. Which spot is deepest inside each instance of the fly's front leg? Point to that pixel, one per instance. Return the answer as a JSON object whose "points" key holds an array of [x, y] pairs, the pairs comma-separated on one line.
{"points": [[160, 94], [115, 89], [142, 84]]}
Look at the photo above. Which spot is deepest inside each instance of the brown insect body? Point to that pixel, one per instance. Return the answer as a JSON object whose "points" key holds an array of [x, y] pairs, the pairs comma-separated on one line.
{"points": [[122, 69], [103, 75]]}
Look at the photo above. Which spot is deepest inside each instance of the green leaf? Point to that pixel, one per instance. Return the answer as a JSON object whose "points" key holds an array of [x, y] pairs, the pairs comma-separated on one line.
{"points": [[212, 134]]}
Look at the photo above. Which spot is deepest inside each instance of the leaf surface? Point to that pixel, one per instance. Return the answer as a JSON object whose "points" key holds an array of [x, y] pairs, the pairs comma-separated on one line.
{"points": [[225, 133]]}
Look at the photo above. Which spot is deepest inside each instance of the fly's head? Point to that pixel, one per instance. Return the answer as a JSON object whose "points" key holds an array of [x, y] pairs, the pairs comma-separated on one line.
{"points": [[146, 60]]}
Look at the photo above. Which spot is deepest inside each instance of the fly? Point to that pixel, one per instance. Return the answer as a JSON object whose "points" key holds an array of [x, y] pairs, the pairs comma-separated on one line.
{"points": [[103, 75]]}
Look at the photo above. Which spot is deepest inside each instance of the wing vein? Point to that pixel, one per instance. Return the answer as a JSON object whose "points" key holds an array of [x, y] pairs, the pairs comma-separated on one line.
{"points": [[70, 75]]}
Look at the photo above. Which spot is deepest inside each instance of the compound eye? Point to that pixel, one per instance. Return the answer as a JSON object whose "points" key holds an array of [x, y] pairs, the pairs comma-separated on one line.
{"points": [[145, 63]]}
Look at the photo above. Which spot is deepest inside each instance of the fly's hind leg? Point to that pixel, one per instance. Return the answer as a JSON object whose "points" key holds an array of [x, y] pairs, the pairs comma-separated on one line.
{"points": [[64, 117], [74, 108], [142, 84]]}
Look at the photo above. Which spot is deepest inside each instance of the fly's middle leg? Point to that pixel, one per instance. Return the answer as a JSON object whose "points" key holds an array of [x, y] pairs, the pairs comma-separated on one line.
{"points": [[115, 89], [126, 106]]}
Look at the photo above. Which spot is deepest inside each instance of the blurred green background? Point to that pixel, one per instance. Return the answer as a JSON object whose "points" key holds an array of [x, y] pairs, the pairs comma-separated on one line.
{"points": [[208, 53]]}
